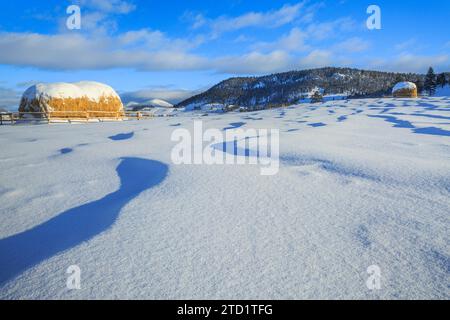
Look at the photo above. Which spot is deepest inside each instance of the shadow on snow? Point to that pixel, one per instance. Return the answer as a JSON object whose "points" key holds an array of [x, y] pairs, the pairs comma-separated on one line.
{"points": [[408, 125], [65, 150], [122, 136], [234, 125], [232, 147], [74, 226], [318, 124]]}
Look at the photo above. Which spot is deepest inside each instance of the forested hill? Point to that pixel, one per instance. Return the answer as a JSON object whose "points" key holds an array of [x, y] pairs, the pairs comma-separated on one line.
{"points": [[291, 87]]}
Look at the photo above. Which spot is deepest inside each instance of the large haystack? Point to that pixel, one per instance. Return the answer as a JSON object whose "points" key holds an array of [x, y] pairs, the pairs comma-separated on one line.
{"points": [[82, 100], [405, 90]]}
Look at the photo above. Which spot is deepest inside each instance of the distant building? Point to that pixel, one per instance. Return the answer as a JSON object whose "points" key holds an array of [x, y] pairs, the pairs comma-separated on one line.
{"points": [[405, 90]]}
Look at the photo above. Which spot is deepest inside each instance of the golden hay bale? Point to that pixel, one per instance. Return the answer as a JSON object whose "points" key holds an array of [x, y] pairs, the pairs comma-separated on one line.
{"points": [[82, 100], [405, 90]]}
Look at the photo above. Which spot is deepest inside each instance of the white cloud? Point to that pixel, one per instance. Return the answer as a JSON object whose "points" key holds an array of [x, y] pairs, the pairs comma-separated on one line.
{"points": [[292, 42], [309, 12], [270, 19], [413, 63], [147, 50], [354, 44], [405, 44], [75, 51], [99, 16], [253, 63], [109, 6], [157, 40], [242, 39], [317, 59], [9, 98], [197, 20], [324, 30], [153, 50], [275, 61], [95, 22]]}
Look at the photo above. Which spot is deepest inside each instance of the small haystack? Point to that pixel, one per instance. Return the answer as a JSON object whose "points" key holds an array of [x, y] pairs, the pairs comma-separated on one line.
{"points": [[405, 90], [82, 100]]}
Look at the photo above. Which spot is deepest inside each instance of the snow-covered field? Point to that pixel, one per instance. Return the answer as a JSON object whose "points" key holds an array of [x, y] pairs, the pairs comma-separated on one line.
{"points": [[361, 183]]}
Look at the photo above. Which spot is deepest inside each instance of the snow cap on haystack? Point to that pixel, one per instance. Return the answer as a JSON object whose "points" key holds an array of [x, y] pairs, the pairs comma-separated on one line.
{"points": [[405, 90], [72, 100]]}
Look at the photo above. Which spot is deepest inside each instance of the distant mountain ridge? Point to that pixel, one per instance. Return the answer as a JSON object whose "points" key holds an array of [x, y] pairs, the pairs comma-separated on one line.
{"points": [[154, 103], [291, 87]]}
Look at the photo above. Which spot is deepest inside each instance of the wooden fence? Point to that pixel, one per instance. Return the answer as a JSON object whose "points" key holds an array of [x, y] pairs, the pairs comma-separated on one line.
{"points": [[71, 116]]}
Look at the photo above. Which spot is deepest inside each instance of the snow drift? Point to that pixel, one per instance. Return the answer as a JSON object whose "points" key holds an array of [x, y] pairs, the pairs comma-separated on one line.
{"points": [[362, 182]]}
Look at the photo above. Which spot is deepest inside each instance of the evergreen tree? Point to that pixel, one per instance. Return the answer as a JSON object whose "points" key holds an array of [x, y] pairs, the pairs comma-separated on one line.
{"points": [[419, 85], [399, 78], [316, 97], [441, 81], [430, 82]]}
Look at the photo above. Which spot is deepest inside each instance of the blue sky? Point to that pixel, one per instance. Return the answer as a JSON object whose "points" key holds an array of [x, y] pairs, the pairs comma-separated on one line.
{"points": [[172, 49]]}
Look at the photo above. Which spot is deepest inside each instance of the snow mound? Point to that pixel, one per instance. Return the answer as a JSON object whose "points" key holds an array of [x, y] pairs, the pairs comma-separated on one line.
{"points": [[132, 104], [360, 182], [60, 90], [154, 103], [95, 90], [160, 103]]}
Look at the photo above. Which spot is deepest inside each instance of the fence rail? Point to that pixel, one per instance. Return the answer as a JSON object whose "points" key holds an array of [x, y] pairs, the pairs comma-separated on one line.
{"points": [[72, 116]]}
